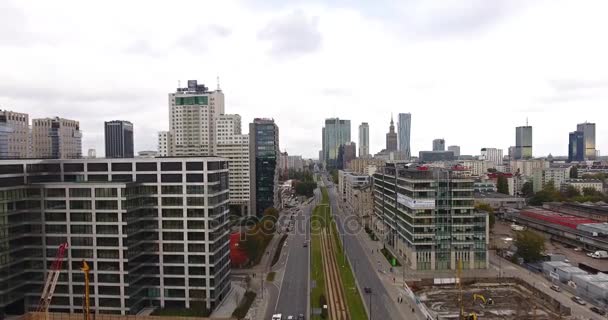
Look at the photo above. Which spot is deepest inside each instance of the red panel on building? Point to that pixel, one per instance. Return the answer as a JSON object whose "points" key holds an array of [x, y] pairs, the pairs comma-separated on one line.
{"points": [[555, 218], [238, 256]]}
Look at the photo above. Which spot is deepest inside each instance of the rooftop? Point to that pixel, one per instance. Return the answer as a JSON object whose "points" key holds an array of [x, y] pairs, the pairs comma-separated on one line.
{"points": [[495, 195]]}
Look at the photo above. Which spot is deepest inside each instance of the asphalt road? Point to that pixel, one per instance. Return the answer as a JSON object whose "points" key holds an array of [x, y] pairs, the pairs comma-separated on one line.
{"points": [[381, 305], [293, 296]]}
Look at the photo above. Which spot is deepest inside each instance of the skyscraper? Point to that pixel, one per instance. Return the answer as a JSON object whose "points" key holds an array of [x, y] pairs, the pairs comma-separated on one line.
{"points": [[193, 111], [363, 140], [404, 125], [336, 132], [119, 139], [588, 130], [523, 142], [263, 165], [56, 138], [391, 137], [14, 135], [439, 145], [455, 149], [347, 152], [576, 146]]}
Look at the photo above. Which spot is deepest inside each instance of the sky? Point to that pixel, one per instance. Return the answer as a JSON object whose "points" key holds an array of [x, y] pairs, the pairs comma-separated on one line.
{"points": [[467, 71]]}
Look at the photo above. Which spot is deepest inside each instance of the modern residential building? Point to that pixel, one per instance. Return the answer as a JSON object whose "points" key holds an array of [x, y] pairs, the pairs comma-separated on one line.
{"points": [[14, 135], [295, 163], [576, 146], [523, 142], [439, 145], [119, 139], [582, 184], [234, 146], [336, 132], [455, 150], [164, 144], [56, 138], [391, 137], [154, 232], [347, 180], [347, 152], [588, 130], [477, 167], [404, 128], [193, 111], [426, 216], [431, 156], [364, 140], [492, 154], [543, 176], [526, 167], [263, 165]]}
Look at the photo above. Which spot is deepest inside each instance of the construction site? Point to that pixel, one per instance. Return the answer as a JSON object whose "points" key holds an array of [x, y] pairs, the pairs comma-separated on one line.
{"points": [[486, 299]]}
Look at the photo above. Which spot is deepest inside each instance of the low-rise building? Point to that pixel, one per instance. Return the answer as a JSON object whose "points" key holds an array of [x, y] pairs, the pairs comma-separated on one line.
{"points": [[499, 200], [436, 155], [360, 165], [478, 167], [581, 184]]}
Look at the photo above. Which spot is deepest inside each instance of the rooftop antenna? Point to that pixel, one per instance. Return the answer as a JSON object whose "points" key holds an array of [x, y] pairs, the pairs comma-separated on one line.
{"points": [[218, 83], [526, 121], [179, 83]]}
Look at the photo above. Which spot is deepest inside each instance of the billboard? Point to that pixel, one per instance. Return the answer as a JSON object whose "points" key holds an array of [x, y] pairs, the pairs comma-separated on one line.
{"points": [[415, 203]]}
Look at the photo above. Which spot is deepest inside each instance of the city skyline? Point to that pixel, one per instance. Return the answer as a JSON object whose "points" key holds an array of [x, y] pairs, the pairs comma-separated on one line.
{"points": [[482, 72]]}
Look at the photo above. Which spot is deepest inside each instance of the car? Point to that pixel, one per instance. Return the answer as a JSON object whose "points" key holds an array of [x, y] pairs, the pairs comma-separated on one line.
{"points": [[277, 316], [598, 311], [579, 300], [300, 317], [290, 318], [367, 290], [556, 288], [578, 249]]}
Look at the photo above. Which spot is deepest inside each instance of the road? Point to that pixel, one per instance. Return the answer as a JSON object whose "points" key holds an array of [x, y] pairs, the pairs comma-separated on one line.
{"points": [[293, 297], [382, 306]]}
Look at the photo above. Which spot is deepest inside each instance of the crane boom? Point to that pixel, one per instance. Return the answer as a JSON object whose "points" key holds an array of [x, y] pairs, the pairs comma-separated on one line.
{"points": [[51, 279], [85, 268]]}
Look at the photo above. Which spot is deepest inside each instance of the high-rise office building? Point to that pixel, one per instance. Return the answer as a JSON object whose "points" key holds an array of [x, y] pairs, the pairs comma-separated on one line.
{"points": [[234, 146], [492, 154], [56, 138], [119, 139], [336, 132], [588, 130], [164, 144], [14, 135], [363, 140], [347, 152], [455, 150], [523, 142], [263, 165], [404, 128], [443, 230], [154, 231], [576, 146], [391, 137], [439, 145], [193, 111]]}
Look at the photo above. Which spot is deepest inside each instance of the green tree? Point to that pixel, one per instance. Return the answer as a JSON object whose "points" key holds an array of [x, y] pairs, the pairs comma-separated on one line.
{"points": [[527, 189], [571, 192], [548, 194], [334, 175], [502, 185], [305, 188], [574, 172], [530, 245], [487, 208]]}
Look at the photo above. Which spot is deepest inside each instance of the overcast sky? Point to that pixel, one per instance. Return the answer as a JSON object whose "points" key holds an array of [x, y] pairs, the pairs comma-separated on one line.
{"points": [[468, 71]]}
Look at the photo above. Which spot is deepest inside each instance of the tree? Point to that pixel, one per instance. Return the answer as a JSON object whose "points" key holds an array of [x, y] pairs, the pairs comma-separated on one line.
{"points": [[574, 172], [548, 194], [527, 189], [502, 185], [487, 208], [571, 192], [530, 245], [305, 188]]}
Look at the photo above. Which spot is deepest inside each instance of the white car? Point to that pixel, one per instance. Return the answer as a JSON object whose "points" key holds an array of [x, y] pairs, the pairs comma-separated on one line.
{"points": [[277, 316]]}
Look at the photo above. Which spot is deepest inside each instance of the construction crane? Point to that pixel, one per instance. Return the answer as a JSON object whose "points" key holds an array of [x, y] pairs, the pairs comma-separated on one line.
{"points": [[51, 279], [85, 269]]}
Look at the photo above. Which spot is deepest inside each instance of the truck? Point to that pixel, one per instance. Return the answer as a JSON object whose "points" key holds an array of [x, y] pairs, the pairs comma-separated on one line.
{"points": [[601, 254]]}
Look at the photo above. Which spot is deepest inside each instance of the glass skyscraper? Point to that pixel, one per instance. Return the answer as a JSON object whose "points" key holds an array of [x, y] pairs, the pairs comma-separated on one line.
{"points": [[404, 125], [588, 130], [263, 164], [335, 133]]}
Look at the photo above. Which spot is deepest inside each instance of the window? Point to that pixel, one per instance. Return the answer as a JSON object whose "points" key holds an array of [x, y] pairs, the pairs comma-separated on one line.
{"points": [[98, 177], [73, 167], [171, 224], [97, 167], [195, 166], [54, 216], [55, 204], [170, 166], [172, 201], [171, 189], [194, 177], [55, 193], [80, 193], [195, 189], [122, 177], [122, 167], [171, 178], [106, 192], [81, 229], [146, 178], [80, 204], [145, 166], [173, 213], [196, 201], [106, 204]]}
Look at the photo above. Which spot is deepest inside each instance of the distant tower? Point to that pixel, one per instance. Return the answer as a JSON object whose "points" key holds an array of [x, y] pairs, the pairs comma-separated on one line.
{"points": [[391, 137], [523, 142], [404, 126], [588, 130], [439, 145], [363, 140], [455, 149], [119, 139]]}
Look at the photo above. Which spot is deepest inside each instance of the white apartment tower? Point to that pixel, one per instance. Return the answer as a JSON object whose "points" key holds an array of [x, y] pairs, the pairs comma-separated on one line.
{"points": [[14, 135], [56, 138], [164, 144], [234, 146], [492, 154], [192, 114]]}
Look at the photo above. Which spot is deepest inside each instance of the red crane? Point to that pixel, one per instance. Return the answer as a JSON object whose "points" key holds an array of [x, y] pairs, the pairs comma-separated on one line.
{"points": [[51, 279]]}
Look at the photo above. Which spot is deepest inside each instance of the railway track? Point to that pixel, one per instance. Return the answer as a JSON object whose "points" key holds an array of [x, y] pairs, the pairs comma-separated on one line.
{"points": [[337, 308]]}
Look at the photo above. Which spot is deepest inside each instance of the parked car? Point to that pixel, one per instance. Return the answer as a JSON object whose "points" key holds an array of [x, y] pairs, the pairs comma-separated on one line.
{"points": [[556, 288], [579, 300], [598, 311], [301, 317]]}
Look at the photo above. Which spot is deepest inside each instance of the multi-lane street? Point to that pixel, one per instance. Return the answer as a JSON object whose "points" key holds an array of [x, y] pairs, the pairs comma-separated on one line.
{"points": [[293, 297], [382, 306]]}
